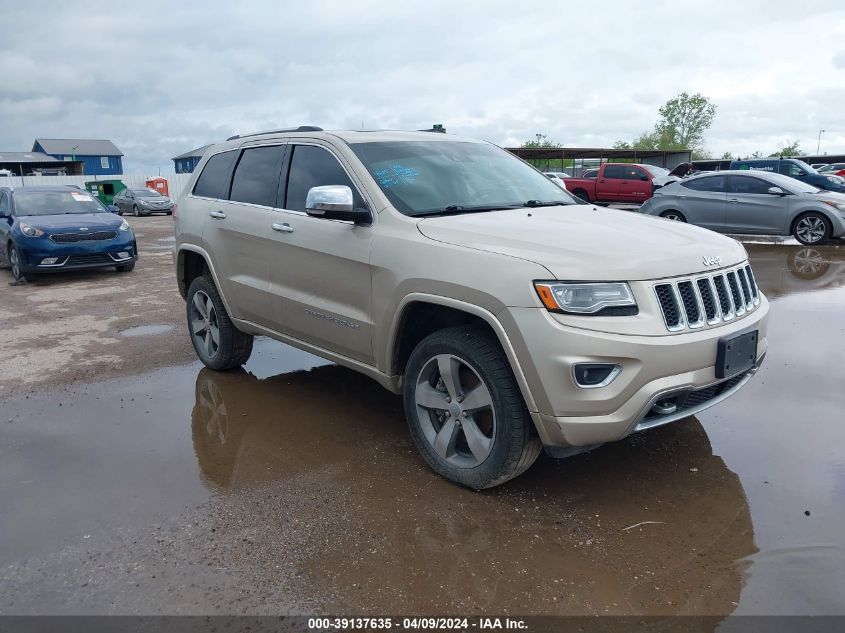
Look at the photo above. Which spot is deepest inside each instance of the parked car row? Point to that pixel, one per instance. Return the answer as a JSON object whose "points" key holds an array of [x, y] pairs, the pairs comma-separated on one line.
{"points": [[56, 228]]}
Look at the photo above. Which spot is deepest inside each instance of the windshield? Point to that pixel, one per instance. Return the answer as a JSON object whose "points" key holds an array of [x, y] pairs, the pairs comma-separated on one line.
{"points": [[421, 177], [147, 193], [56, 203], [656, 171]]}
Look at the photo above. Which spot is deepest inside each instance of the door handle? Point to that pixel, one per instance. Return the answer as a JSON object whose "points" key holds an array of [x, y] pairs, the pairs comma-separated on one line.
{"points": [[734, 200], [217, 214], [682, 196], [282, 228]]}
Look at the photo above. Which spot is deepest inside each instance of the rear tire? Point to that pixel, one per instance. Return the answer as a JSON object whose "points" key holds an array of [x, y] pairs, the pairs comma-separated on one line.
{"points": [[217, 342], [811, 228], [465, 411], [677, 216], [582, 194]]}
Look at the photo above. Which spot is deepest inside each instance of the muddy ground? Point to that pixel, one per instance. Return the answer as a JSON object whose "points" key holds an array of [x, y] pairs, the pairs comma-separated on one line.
{"points": [[76, 327], [133, 481]]}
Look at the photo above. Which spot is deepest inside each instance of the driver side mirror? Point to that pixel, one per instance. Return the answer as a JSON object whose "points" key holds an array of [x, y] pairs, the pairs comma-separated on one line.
{"points": [[777, 191], [113, 208], [644, 178], [335, 202]]}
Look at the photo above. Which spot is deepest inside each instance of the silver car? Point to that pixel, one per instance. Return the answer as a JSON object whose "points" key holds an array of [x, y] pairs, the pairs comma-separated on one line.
{"points": [[752, 202]]}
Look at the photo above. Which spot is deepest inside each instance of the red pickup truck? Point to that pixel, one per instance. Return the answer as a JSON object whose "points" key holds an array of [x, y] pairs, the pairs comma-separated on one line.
{"points": [[618, 182]]}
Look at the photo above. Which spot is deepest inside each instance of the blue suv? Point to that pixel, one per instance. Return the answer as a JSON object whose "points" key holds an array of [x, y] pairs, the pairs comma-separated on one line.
{"points": [[50, 229], [793, 168]]}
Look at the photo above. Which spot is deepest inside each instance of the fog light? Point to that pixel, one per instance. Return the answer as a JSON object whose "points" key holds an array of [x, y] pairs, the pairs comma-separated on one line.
{"points": [[49, 261], [592, 375], [123, 255]]}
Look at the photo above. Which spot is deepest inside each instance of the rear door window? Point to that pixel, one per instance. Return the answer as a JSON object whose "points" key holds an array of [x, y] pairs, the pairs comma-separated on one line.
{"points": [[312, 166], [615, 172], [213, 182], [256, 179]]}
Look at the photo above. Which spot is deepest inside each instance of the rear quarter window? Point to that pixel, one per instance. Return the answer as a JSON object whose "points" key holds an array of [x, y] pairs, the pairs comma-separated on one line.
{"points": [[213, 182]]}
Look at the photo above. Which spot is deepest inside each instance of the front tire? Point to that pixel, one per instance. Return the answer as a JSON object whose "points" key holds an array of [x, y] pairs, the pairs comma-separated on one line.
{"points": [[812, 228], [15, 264], [125, 268], [217, 342], [135, 211], [465, 411]]}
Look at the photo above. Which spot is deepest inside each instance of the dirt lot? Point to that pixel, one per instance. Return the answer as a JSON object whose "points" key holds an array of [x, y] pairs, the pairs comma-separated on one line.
{"points": [[77, 327], [134, 481]]}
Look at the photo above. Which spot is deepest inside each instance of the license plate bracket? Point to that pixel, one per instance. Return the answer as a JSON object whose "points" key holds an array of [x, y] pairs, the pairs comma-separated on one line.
{"points": [[736, 354]]}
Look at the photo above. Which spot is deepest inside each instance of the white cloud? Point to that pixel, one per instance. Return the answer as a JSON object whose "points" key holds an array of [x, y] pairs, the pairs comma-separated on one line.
{"points": [[161, 78]]}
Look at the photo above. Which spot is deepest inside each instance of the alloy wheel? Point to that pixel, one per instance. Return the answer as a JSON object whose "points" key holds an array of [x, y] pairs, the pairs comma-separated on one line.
{"points": [[214, 412], [673, 216], [204, 326], [810, 229], [455, 410]]}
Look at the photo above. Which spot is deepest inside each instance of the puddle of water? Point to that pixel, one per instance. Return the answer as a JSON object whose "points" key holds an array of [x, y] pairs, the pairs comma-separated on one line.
{"points": [[147, 330], [300, 470]]}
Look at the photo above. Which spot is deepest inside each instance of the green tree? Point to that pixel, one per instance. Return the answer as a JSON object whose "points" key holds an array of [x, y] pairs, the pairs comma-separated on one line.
{"points": [[788, 149], [541, 140], [727, 156], [684, 120]]}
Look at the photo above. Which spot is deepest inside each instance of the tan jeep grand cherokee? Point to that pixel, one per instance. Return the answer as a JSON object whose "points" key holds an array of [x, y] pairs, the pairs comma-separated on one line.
{"points": [[508, 315]]}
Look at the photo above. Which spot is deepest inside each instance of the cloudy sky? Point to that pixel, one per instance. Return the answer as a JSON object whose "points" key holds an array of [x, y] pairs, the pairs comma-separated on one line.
{"points": [[161, 78]]}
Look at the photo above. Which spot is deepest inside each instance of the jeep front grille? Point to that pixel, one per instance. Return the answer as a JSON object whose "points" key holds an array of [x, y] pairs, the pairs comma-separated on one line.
{"points": [[707, 299]]}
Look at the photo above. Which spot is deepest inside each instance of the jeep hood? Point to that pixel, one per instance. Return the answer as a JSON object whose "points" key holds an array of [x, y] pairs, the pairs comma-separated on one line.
{"points": [[586, 243]]}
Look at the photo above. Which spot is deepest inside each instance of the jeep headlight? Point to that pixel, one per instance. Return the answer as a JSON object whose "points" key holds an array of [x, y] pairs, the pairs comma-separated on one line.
{"points": [[124, 226], [613, 298], [30, 231]]}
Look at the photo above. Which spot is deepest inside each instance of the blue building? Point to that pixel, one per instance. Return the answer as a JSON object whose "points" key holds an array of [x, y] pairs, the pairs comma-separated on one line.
{"points": [[185, 163], [98, 157]]}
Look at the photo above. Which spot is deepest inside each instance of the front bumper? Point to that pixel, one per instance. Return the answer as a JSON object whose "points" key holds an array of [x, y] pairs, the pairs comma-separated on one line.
{"points": [[654, 368], [150, 210], [76, 256]]}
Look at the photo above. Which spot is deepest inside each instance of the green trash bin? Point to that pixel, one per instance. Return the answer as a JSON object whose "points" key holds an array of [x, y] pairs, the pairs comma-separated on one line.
{"points": [[105, 190]]}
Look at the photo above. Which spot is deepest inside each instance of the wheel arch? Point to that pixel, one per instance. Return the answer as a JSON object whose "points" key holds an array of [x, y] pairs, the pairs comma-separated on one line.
{"points": [[800, 214], [419, 315], [191, 262], [578, 190]]}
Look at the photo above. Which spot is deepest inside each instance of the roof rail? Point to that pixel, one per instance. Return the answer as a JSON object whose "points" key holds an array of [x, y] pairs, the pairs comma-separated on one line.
{"points": [[301, 128]]}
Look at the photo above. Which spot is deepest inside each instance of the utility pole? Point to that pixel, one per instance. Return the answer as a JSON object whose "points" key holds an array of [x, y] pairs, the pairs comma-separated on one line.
{"points": [[819, 144]]}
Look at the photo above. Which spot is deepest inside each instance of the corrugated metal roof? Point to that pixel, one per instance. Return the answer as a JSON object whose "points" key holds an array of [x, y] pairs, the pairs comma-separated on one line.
{"points": [[198, 152], [78, 146], [26, 157]]}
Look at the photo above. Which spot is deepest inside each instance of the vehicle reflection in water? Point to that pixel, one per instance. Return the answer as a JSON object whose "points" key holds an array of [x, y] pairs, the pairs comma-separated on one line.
{"points": [[784, 269], [383, 533]]}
